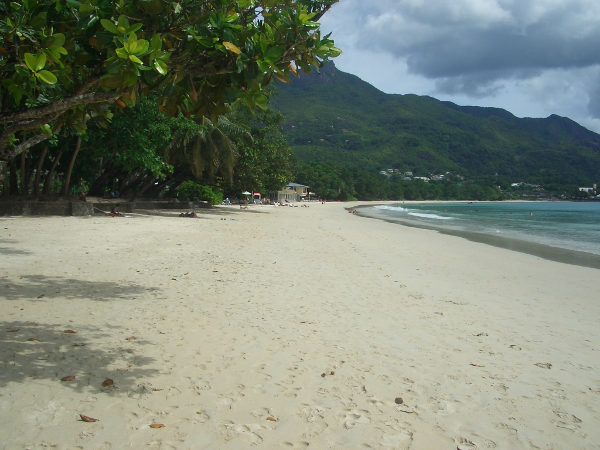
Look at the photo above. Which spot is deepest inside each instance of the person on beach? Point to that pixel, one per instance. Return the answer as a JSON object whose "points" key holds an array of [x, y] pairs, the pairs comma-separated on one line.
{"points": [[115, 212]]}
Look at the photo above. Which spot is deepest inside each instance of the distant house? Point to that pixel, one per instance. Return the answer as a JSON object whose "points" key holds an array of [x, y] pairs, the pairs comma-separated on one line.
{"points": [[588, 190], [292, 192]]}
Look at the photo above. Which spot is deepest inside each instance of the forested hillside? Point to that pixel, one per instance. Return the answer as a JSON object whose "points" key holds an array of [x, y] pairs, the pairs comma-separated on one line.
{"points": [[337, 119]]}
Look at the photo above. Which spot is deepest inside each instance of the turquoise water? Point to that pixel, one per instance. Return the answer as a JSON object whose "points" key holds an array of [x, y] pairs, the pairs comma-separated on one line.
{"points": [[565, 225]]}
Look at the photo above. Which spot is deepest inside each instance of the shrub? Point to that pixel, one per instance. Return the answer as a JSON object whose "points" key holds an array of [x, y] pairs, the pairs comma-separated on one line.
{"points": [[188, 190]]}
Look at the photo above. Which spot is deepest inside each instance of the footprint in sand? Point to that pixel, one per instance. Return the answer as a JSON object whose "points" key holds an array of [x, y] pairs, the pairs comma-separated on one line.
{"points": [[224, 402], [471, 444], [201, 417], [465, 444], [315, 419], [567, 421], [261, 412], [355, 417], [301, 444], [376, 403], [200, 386], [402, 440], [250, 431]]}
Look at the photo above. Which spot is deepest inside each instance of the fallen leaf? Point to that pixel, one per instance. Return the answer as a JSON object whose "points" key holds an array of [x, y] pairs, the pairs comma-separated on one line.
{"points": [[156, 389], [107, 382], [215, 271], [33, 340], [481, 334], [398, 400], [70, 331], [332, 373], [476, 365], [41, 296], [157, 425], [187, 273], [272, 419], [88, 419], [81, 344], [132, 338], [69, 378], [14, 330], [174, 279]]}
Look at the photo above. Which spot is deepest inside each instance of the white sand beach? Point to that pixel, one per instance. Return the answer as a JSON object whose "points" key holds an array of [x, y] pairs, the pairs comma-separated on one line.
{"points": [[278, 327]]}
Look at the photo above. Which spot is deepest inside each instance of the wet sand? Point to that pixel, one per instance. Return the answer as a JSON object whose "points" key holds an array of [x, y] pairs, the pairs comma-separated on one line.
{"points": [[567, 256]]}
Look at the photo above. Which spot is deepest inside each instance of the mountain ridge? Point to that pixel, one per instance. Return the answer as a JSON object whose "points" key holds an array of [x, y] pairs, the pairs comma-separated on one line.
{"points": [[336, 118]]}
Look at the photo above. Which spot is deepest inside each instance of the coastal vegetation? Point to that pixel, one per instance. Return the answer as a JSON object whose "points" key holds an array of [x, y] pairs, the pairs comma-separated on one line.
{"points": [[70, 66], [131, 99]]}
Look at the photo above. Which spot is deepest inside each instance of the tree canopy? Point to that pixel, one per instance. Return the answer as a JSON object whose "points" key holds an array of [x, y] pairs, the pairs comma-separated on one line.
{"points": [[63, 62]]}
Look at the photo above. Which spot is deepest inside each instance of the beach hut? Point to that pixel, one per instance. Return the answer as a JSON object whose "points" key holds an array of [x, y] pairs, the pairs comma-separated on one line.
{"points": [[292, 192]]}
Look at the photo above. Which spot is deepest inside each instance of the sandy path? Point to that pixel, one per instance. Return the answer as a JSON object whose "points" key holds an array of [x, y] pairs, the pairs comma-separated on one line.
{"points": [[289, 327]]}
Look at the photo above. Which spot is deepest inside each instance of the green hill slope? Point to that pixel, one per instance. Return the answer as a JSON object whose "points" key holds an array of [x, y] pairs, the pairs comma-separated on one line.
{"points": [[336, 118]]}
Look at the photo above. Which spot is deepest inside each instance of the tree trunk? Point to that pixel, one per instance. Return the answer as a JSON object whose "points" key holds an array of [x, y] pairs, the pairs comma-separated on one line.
{"points": [[146, 186], [70, 169], [4, 178], [22, 176], [50, 177], [14, 180], [38, 172]]}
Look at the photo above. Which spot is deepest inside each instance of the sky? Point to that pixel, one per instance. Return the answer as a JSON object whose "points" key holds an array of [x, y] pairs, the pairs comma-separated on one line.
{"points": [[533, 58]]}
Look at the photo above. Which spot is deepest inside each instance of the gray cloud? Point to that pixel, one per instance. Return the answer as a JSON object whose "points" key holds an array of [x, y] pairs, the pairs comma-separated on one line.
{"points": [[446, 39], [475, 48]]}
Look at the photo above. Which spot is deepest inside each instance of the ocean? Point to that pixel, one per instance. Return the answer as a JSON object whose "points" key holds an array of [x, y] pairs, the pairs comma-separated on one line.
{"points": [[562, 231]]}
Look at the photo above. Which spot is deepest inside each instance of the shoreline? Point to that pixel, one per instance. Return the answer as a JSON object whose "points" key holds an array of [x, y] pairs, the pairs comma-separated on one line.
{"points": [[548, 252], [277, 327]]}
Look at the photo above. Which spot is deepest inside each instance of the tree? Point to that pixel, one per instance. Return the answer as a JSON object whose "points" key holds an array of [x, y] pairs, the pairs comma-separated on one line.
{"points": [[65, 61], [129, 148], [264, 162], [204, 148]]}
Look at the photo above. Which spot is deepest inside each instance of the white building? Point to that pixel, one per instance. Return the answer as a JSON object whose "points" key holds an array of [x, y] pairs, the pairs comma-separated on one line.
{"points": [[292, 192]]}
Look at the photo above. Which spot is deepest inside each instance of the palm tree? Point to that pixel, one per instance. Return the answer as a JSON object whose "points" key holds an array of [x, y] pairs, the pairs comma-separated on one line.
{"points": [[206, 147]]}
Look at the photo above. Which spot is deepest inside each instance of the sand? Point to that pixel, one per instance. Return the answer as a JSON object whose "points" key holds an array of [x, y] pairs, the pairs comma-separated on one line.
{"points": [[278, 327]]}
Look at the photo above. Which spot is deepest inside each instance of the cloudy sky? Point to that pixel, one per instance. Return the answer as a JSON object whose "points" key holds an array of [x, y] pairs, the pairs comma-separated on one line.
{"points": [[531, 57]]}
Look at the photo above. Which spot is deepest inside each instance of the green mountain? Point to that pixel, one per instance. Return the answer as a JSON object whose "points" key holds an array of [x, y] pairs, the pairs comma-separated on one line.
{"points": [[335, 117]]}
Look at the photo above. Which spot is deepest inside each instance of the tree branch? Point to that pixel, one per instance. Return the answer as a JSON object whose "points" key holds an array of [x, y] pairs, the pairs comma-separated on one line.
{"points": [[59, 106], [15, 151], [36, 117]]}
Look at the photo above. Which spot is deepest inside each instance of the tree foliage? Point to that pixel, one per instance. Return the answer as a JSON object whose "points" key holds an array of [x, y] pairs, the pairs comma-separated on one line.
{"points": [[144, 149], [63, 62], [264, 163], [336, 118], [189, 190]]}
